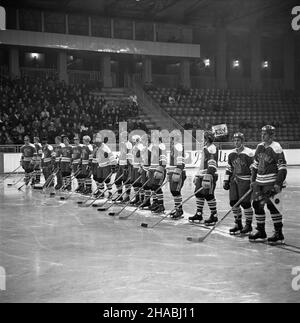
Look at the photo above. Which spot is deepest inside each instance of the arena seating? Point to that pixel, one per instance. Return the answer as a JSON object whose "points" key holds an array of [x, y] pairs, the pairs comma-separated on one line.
{"points": [[241, 110], [46, 108]]}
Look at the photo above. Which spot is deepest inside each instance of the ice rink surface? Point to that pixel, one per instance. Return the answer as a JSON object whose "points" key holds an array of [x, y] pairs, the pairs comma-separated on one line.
{"points": [[55, 251]]}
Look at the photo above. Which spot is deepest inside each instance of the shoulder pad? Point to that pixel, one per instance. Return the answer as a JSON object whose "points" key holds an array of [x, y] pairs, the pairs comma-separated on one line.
{"points": [[90, 147], [249, 152], [140, 146], [106, 148], [162, 146], [50, 147], [32, 145], [128, 145], [212, 149], [62, 145], [179, 147], [276, 147]]}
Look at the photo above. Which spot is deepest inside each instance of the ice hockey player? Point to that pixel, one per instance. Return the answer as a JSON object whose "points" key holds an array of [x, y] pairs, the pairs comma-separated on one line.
{"points": [[57, 150], [269, 171], [28, 158], [176, 174], [207, 179], [48, 160], [136, 165], [86, 162], [106, 165], [145, 195], [157, 172], [95, 145], [125, 169], [237, 181], [66, 164], [76, 164], [38, 160]]}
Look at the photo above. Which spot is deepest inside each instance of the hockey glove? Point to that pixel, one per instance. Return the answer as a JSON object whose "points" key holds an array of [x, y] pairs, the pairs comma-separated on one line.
{"points": [[277, 188], [114, 169], [226, 185]]}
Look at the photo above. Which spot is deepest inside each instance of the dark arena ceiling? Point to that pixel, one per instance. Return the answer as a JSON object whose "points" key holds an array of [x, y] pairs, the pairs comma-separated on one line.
{"points": [[201, 13]]}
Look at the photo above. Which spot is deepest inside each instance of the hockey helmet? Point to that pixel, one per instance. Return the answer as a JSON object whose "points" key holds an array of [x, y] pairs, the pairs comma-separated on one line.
{"points": [[209, 136], [136, 138], [26, 138], [87, 138], [270, 130], [37, 139], [239, 135]]}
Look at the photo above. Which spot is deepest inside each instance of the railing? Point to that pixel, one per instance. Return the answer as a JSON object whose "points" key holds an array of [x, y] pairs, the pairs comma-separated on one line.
{"points": [[10, 148], [38, 72]]}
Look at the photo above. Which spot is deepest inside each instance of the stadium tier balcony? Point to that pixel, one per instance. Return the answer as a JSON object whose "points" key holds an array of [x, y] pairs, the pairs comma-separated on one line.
{"points": [[241, 110]]}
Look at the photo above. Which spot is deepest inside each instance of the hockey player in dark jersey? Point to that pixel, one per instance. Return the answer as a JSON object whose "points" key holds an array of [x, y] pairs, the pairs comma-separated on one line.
{"points": [[38, 160], [144, 171], [177, 174], [207, 179], [157, 172], [66, 164], [269, 171], [57, 150], [28, 158], [136, 165], [237, 181]]}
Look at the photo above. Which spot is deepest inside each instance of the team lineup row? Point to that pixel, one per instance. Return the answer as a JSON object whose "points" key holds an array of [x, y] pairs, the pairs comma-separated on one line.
{"points": [[256, 176]]}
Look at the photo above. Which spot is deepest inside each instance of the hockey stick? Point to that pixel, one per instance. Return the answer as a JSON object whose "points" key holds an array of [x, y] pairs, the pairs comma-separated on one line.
{"points": [[66, 184], [30, 177], [201, 239], [96, 198], [135, 195], [85, 201], [102, 209], [49, 181], [145, 225], [18, 181], [148, 199], [10, 174]]}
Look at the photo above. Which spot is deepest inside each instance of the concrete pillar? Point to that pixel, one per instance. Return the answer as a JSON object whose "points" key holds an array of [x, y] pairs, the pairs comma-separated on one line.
{"points": [[289, 62], [43, 21], [185, 73], [221, 58], [106, 71], [90, 26], [62, 67], [14, 63], [147, 69], [133, 30], [256, 59]]}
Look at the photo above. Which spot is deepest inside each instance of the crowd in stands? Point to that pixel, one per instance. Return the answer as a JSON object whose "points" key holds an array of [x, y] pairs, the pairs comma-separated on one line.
{"points": [[47, 108]]}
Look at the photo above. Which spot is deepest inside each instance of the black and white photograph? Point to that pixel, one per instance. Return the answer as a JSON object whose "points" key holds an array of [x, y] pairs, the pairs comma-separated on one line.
{"points": [[149, 154]]}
